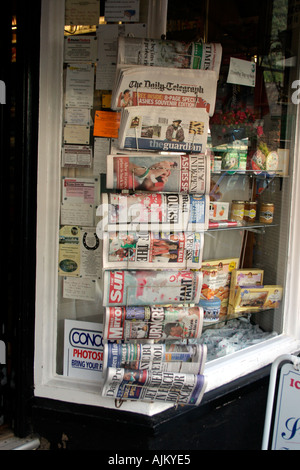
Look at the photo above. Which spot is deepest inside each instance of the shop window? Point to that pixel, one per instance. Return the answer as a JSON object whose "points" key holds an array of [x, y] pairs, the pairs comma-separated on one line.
{"points": [[248, 133]]}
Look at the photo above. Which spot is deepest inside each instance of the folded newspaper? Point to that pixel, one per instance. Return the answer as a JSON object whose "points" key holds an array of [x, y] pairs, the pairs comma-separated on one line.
{"points": [[152, 323], [151, 287], [184, 358], [164, 87], [165, 53], [152, 212], [163, 129], [185, 173], [154, 386], [152, 250]]}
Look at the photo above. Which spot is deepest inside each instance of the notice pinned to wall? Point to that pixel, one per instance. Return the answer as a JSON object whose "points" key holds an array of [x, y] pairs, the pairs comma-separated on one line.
{"points": [[122, 10], [241, 72], [107, 124], [78, 12]]}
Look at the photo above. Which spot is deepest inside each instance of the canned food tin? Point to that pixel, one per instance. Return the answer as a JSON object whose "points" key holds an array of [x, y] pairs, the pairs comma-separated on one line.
{"points": [[266, 213], [250, 212], [237, 210], [211, 309]]}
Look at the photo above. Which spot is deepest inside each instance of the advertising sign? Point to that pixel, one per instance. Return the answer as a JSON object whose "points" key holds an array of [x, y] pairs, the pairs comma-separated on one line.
{"points": [[83, 350], [286, 434], [286, 427]]}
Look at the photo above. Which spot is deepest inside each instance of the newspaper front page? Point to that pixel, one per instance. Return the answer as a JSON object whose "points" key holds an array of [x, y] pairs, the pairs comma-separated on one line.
{"points": [[164, 88], [184, 173], [184, 358], [153, 323], [152, 212], [163, 129], [165, 53], [152, 250], [151, 287], [154, 386]]}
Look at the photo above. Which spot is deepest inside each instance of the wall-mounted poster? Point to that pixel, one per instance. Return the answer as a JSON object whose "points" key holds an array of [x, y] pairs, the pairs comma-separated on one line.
{"points": [[122, 10], [82, 13], [80, 85]]}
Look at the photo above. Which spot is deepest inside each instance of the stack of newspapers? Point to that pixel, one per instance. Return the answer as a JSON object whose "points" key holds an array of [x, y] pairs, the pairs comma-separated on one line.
{"points": [[165, 53], [142, 368], [152, 221], [163, 89], [164, 109]]}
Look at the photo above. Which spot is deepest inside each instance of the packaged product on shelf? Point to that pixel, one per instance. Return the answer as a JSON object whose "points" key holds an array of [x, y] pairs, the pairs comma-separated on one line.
{"points": [[218, 210], [163, 129], [211, 309], [163, 87], [216, 280], [152, 250], [185, 173], [151, 287], [156, 323], [184, 358], [246, 278], [237, 212], [235, 161], [152, 212], [165, 53], [257, 298], [212, 224], [154, 386]]}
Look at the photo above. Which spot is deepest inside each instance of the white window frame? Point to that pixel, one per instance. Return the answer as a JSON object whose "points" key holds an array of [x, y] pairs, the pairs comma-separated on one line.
{"points": [[47, 382]]}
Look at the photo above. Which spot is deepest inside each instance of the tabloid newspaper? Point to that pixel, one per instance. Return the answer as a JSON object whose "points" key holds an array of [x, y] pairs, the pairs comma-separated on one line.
{"points": [[163, 129], [164, 88], [188, 359], [185, 173], [151, 287], [147, 211], [153, 323], [151, 250], [165, 53], [157, 386]]}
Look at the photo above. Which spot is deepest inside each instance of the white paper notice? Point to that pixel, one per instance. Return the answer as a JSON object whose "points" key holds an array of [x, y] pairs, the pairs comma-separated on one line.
{"points": [[80, 85], [77, 214], [107, 40], [77, 116], [80, 48], [76, 134], [90, 254], [76, 156], [83, 13], [79, 288], [80, 190], [126, 10], [241, 72], [101, 150]]}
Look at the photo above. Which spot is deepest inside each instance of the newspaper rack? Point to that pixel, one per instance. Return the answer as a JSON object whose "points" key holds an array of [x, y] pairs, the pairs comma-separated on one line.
{"points": [[292, 364]]}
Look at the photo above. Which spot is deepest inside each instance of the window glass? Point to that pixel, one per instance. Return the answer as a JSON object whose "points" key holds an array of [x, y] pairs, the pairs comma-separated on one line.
{"points": [[251, 160]]}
